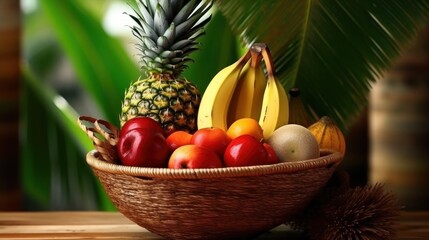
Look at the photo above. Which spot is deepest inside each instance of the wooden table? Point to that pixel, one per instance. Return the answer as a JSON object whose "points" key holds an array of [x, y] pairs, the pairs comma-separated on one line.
{"points": [[113, 225]]}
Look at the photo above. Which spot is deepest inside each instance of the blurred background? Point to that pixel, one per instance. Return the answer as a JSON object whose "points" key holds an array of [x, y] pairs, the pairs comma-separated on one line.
{"points": [[364, 64]]}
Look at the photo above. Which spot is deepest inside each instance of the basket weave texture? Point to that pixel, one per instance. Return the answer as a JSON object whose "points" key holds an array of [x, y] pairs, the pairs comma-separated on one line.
{"points": [[222, 203]]}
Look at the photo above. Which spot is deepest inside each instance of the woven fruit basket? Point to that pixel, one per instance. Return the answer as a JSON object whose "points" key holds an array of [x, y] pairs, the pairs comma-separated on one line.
{"points": [[220, 203]]}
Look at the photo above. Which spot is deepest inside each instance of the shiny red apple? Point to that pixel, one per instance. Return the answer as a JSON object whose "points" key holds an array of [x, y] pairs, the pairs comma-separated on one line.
{"points": [[213, 138], [245, 150], [142, 122], [143, 147], [272, 156], [193, 156]]}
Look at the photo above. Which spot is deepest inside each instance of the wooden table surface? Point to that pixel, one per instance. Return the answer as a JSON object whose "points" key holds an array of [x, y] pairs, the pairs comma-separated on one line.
{"points": [[113, 225]]}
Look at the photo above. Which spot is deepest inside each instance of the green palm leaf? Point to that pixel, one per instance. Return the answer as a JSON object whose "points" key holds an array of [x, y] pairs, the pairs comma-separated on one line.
{"points": [[101, 63], [331, 50]]}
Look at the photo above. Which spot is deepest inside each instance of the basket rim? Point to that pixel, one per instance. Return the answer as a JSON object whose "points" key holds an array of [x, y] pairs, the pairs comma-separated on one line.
{"points": [[328, 158]]}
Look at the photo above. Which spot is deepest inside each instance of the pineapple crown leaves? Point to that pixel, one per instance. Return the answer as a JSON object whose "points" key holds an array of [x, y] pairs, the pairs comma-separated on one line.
{"points": [[167, 31]]}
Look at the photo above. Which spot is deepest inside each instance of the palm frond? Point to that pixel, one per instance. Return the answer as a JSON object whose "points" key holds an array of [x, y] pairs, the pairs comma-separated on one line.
{"points": [[331, 50]]}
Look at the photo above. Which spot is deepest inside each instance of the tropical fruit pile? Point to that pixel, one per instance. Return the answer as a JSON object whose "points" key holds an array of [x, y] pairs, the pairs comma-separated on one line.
{"points": [[240, 120]]}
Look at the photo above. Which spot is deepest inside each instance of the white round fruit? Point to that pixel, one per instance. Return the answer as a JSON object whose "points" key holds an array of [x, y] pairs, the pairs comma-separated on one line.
{"points": [[293, 142]]}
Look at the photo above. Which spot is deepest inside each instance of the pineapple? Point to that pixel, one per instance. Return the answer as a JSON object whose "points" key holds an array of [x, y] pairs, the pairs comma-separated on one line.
{"points": [[167, 31]]}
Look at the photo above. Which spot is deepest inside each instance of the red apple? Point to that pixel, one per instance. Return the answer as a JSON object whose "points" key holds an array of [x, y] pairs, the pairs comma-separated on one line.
{"points": [[193, 156], [178, 139], [272, 156], [213, 138], [245, 150], [143, 147], [142, 122]]}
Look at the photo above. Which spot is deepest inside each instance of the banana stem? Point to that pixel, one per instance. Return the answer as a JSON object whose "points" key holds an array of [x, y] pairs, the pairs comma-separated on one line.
{"points": [[256, 56], [269, 63], [261, 49]]}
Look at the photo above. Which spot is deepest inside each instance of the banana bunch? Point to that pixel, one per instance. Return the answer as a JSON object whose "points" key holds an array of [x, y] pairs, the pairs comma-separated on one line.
{"points": [[241, 90]]}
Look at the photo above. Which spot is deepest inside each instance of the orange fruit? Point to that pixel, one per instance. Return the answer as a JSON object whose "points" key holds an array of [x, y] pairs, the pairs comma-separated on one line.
{"points": [[245, 126], [178, 139]]}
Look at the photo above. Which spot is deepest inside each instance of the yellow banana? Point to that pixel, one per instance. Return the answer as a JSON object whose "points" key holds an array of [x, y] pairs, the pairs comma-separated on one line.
{"points": [[247, 98], [274, 112], [258, 92], [236, 108], [213, 109], [259, 83], [284, 105], [275, 105]]}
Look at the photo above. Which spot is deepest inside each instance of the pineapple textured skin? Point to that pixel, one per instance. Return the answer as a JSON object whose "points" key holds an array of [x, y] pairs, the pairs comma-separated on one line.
{"points": [[172, 102]]}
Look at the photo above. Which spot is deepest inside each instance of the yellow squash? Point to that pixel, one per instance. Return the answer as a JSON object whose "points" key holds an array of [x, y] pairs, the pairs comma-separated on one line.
{"points": [[328, 135]]}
